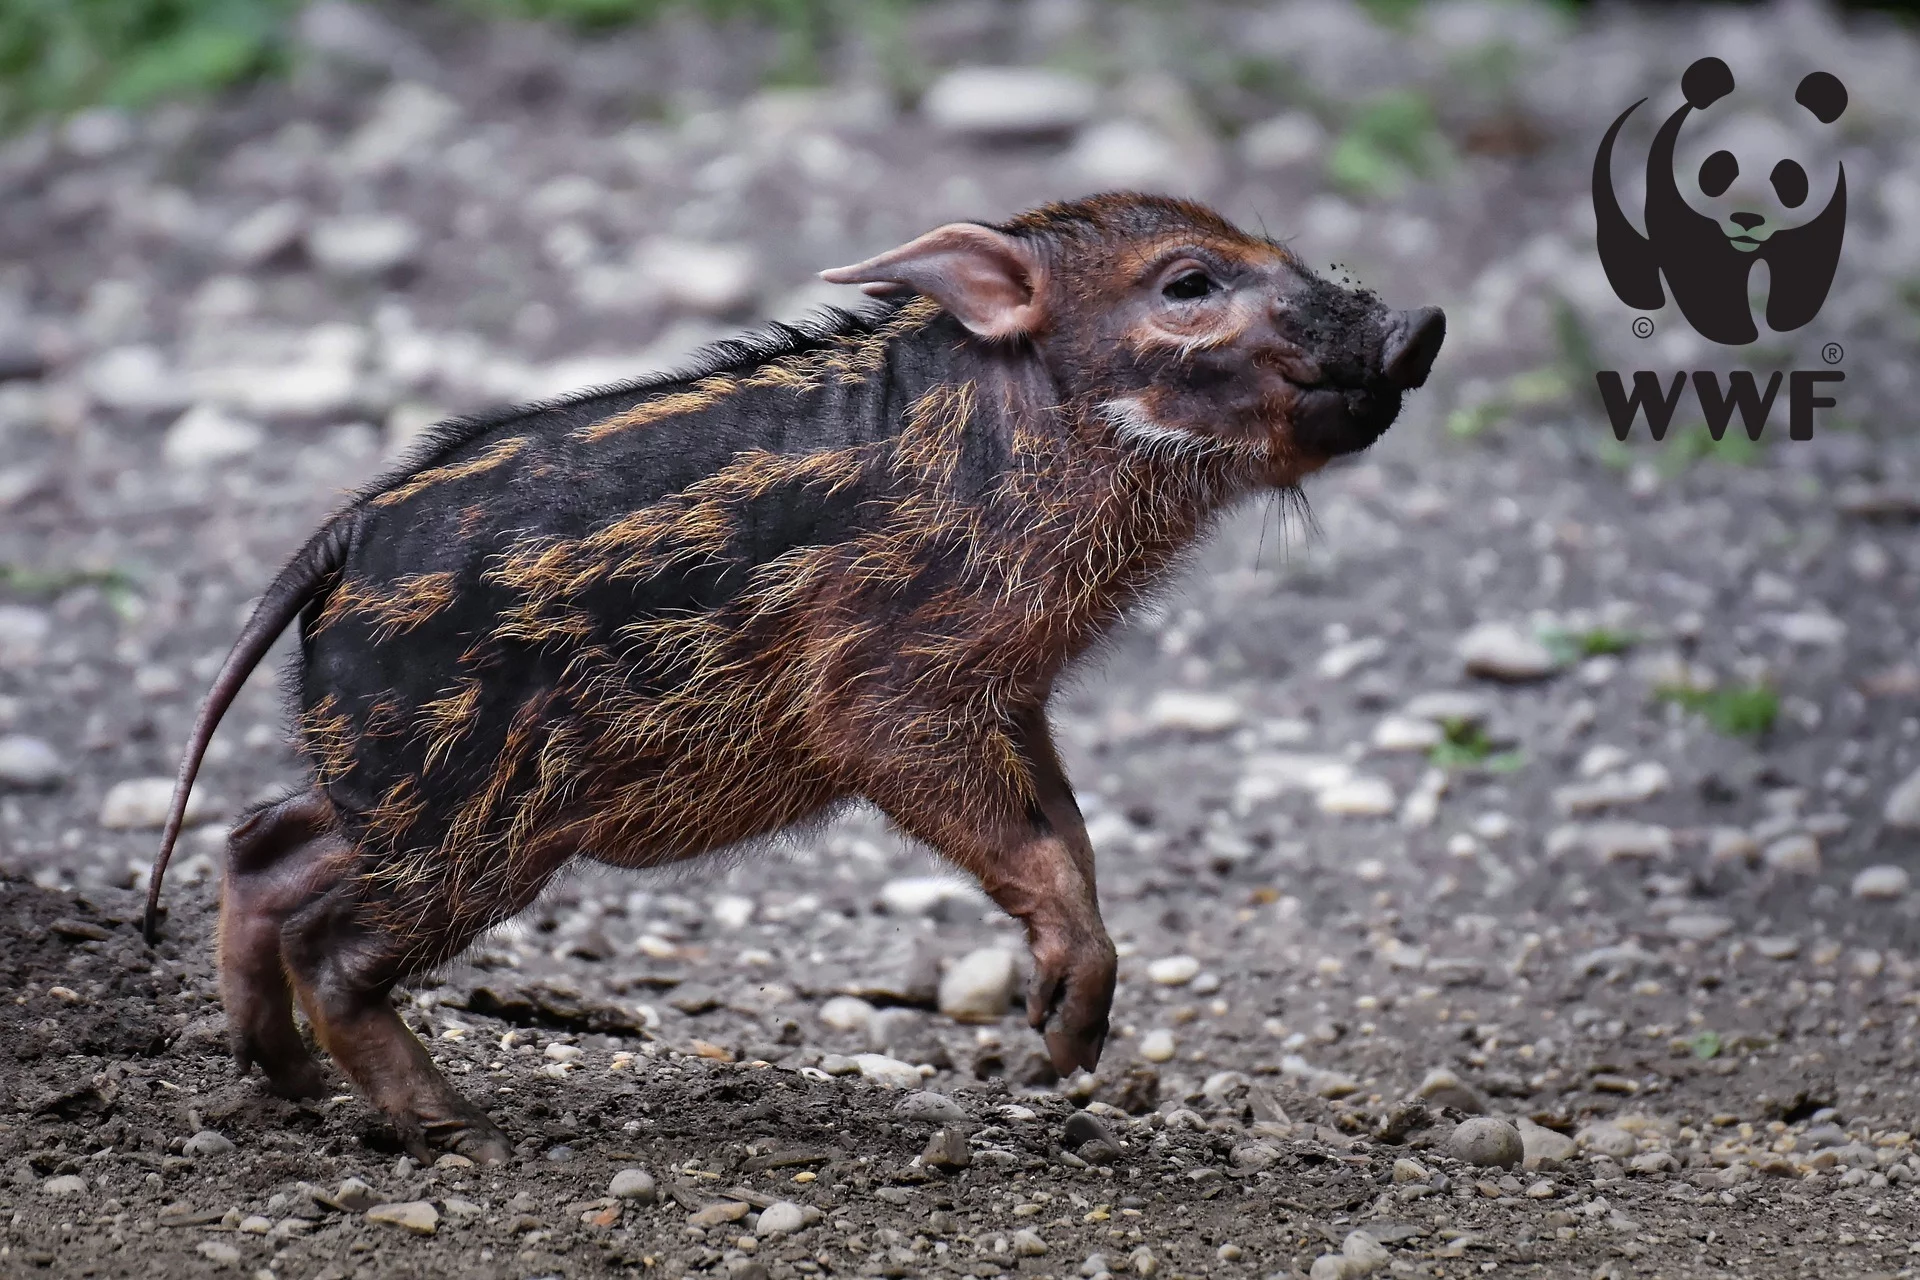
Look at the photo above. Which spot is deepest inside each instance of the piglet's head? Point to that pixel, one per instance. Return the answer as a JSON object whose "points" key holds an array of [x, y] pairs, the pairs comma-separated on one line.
{"points": [[1178, 327]]}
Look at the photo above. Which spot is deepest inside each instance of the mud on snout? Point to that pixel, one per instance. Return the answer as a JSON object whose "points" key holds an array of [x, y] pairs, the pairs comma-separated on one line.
{"points": [[1369, 357]]}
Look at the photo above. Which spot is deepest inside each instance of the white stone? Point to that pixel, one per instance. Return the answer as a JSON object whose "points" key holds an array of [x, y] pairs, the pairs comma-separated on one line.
{"points": [[1486, 1142], [1293, 137], [141, 803], [266, 233], [1881, 882], [207, 1143], [979, 986], [406, 120], [66, 1184], [1009, 100], [1602, 757], [732, 910], [1365, 1250], [1173, 971], [317, 376], [926, 895], [29, 763], [846, 1013], [1343, 660], [700, 276], [134, 379], [1612, 841], [366, 244], [23, 634], [1405, 733], [1731, 844], [1544, 1146], [1503, 651], [1795, 854], [1157, 1045], [1193, 712], [1359, 798], [925, 1104], [207, 435], [1699, 926], [1641, 782], [416, 1216], [1126, 154], [782, 1217], [633, 1184], [1903, 804], [1607, 1140], [1812, 629], [1028, 1244]]}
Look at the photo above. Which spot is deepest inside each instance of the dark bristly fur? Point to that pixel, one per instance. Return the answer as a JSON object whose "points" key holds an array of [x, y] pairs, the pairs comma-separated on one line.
{"points": [[834, 561]]}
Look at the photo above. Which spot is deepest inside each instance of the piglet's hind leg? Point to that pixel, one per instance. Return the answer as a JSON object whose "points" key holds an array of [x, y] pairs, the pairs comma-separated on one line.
{"points": [[277, 859], [345, 966]]}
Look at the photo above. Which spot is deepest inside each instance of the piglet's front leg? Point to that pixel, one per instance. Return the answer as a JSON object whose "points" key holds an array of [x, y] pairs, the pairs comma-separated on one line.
{"points": [[1023, 837]]}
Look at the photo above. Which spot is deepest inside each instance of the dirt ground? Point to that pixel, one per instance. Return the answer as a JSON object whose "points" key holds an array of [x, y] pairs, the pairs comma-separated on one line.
{"points": [[1362, 893]]}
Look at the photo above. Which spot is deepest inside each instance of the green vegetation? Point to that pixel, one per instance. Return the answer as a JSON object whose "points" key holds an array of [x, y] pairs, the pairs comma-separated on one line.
{"points": [[1394, 138], [1466, 745], [1570, 646], [19, 580], [1705, 1044], [1738, 711], [59, 55]]}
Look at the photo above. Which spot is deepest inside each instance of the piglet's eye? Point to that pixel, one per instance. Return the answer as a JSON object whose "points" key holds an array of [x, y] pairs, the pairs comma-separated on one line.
{"points": [[1185, 288]]}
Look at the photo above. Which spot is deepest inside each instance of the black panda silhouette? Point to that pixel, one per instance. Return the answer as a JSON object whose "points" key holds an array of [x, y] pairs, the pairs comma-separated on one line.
{"points": [[1706, 267]]}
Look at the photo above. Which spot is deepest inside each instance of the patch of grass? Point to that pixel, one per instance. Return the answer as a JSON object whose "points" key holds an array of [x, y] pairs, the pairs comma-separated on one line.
{"points": [[1393, 139], [1530, 389], [1738, 711], [1397, 14], [60, 55], [19, 580], [1465, 745], [1594, 642]]}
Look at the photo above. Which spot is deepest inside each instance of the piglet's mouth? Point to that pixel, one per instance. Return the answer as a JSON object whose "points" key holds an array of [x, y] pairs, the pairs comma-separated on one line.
{"points": [[1345, 415]]}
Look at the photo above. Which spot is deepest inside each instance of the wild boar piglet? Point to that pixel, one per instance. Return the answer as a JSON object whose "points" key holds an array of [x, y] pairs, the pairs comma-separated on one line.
{"points": [[836, 562]]}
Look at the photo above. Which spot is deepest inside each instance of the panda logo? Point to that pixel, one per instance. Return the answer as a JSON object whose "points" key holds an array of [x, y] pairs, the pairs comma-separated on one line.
{"points": [[1707, 260]]}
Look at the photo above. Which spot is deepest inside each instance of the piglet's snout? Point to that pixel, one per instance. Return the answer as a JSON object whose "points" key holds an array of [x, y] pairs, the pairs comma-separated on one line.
{"points": [[1413, 342]]}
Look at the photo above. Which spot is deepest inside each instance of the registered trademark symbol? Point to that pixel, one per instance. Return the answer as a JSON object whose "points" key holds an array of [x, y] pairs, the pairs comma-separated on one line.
{"points": [[1833, 353], [1643, 326]]}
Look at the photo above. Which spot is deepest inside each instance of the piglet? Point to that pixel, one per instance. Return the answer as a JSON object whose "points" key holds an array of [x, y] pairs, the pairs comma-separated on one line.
{"points": [[837, 562]]}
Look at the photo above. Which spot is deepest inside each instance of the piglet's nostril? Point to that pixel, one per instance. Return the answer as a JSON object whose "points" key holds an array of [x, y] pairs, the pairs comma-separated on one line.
{"points": [[1410, 349]]}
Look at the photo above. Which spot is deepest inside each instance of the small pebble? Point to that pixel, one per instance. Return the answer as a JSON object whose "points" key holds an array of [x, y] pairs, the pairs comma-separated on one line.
{"points": [[1486, 1142], [1794, 854], [207, 1143], [633, 1184], [1607, 1140], [1173, 971], [65, 1184], [946, 1149], [1157, 1045], [29, 764], [416, 1216], [979, 986], [1028, 1244], [1881, 883], [782, 1217], [847, 1014], [1142, 1262]]}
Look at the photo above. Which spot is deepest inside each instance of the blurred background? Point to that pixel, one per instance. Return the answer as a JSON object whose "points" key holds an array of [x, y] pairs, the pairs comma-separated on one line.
{"points": [[250, 248]]}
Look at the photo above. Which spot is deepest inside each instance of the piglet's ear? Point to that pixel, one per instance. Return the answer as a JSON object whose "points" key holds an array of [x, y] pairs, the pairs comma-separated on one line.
{"points": [[989, 281]]}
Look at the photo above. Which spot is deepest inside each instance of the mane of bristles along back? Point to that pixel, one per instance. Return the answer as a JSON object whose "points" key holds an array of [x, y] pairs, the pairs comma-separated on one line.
{"points": [[726, 357]]}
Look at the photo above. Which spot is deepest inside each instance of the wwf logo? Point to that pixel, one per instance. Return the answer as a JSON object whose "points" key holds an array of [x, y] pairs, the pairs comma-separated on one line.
{"points": [[1707, 259]]}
